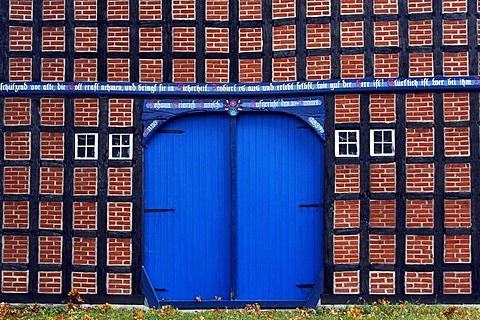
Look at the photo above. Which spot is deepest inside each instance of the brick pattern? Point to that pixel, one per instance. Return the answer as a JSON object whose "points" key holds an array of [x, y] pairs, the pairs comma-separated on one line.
{"points": [[347, 214], [119, 216], [217, 70], [216, 10], [385, 7], [418, 282], [386, 33], [53, 69], [84, 251], [21, 9], [85, 9], [318, 68], [20, 38], [86, 39], [217, 40], [54, 10], [119, 252], [38, 146], [382, 213], [14, 281], [318, 36], [346, 249], [85, 282], [53, 39], [382, 282], [151, 70], [347, 178], [51, 215], [85, 215], [419, 6], [151, 39], [120, 181], [51, 145], [382, 177], [419, 249], [386, 65], [118, 70], [50, 250], [346, 282], [85, 181], [458, 213], [16, 180], [284, 69], [419, 214], [15, 215], [51, 209], [119, 283], [15, 249], [50, 282], [17, 145], [382, 249], [420, 142], [51, 180], [419, 179], [85, 69], [457, 282], [120, 112]]}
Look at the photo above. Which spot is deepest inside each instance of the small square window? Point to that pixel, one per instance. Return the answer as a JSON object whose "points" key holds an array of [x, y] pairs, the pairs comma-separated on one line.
{"points": [[346, 143], [86, 146], [121, 146], [382, 142]]}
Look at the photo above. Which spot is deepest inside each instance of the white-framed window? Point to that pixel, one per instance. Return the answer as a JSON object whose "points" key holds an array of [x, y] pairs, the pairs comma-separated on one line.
{"points": [[347, 143], [86, 146], [121, 146], [382, 142]]}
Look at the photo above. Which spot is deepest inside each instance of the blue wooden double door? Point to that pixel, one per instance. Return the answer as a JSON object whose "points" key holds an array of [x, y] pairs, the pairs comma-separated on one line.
{"points": [[234, 209]]}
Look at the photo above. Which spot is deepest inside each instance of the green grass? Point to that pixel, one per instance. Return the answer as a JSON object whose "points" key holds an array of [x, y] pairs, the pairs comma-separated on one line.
{"points": [[382, 309]]}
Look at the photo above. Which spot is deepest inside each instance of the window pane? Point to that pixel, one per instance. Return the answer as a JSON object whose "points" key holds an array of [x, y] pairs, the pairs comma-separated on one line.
{"points": [[91, 140], [342, 136], [81, 140], [377, 136], [126, 140], [388, 148], [352, 149], [115, 140], [116, 152], [352, 136], [126, 152], [387, 136], [90, 152], [81, 152], [342, 149], [377, 148]]}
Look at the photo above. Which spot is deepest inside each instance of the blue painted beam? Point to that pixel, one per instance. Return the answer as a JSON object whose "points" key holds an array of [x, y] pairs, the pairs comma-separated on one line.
{"points": [[140, 89]]}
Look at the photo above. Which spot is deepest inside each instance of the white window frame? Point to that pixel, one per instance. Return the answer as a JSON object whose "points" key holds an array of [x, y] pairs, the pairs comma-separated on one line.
{"points": [[338, 143], [383, 143], [95, 151], [111, 146]]}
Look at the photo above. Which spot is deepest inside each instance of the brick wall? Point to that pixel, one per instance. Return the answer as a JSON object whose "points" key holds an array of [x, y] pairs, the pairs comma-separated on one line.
{"points": [[421, 203], [62, 215], [402, 224]]}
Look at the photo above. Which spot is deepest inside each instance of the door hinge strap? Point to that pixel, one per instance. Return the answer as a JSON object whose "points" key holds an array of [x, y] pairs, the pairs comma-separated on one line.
{"points": [[310, 205], [159, 210], [171, 131], [304, 285]]}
